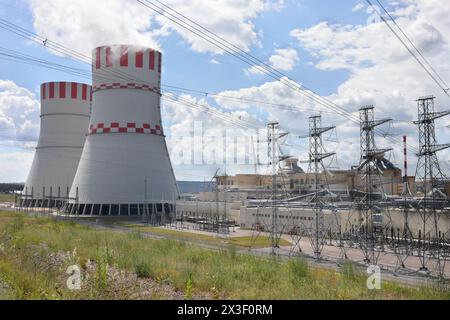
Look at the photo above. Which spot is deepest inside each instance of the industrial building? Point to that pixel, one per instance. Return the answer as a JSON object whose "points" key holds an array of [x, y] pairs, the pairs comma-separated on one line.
{"points": [[299, 182]]}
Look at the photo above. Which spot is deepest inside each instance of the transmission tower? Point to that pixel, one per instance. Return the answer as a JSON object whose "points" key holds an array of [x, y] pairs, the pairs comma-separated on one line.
{"points": [[275, 157], [317, 154], [431, 177], [371, 227]]}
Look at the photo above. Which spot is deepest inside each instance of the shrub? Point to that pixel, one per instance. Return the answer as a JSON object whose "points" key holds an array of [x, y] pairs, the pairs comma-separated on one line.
{"points": [[142, 269]]}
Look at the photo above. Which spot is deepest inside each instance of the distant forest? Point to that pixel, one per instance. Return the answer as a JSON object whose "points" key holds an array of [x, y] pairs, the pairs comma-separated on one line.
{"points": [[11, 187]]}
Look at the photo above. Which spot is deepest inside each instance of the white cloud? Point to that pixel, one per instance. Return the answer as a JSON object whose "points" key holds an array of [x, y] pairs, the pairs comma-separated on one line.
{"points": [[15, 165], [214, 61], [381, 71], [255, 70], [358, 7], [19, 113], [188, 126], [83, 25], [19, 127], [284, 59]]}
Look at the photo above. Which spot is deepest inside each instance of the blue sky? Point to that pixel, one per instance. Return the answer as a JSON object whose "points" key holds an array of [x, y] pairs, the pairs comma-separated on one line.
{"points": [[330, 59]]}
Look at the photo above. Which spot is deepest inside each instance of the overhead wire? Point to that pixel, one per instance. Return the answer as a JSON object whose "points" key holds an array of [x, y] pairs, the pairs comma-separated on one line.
{"points": [[417, 54], [247, 58], [48, 43], [63, 50]]}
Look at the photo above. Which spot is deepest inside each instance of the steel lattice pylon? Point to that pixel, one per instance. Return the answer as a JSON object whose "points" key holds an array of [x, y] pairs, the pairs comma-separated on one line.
{"points": [[371, 227], [317, 153], [275, 227], [429, 173], [275, 157]]}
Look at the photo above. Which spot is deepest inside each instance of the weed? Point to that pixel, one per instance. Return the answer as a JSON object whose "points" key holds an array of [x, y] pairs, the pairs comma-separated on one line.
{"points": [[188, 288], [298, 270], [142, 269]]}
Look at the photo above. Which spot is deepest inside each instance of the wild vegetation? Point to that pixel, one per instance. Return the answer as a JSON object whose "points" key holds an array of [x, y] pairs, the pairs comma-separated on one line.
{"points": [[35, 254], [244, 241], [6, 197]]}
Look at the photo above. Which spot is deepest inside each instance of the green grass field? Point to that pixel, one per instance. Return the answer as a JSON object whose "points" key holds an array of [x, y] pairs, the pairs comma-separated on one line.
{"points": [[5, 197], [246, 242], [29, 268]]}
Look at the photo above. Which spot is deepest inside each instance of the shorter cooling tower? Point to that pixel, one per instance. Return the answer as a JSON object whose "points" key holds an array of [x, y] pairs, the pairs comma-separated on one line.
{"points": [[65, 111], [125, 167]]}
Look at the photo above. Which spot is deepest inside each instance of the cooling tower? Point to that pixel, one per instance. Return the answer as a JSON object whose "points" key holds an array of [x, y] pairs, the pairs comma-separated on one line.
{"points": [[125, 166], [65, 110]]}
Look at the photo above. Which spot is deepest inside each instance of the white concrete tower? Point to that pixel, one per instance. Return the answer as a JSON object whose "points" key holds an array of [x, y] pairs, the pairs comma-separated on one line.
{"points": [[125, 164], [65, 111]]}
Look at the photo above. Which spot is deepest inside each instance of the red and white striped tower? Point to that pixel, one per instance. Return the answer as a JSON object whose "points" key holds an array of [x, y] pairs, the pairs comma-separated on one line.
{"points": [[406, 189], [125, 163], [65, 111], [405, 154]]}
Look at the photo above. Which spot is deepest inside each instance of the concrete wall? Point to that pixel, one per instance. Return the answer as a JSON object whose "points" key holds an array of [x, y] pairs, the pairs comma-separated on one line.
{"points": [[289, 220], [209, 209], [229, 196], [347, 220]]}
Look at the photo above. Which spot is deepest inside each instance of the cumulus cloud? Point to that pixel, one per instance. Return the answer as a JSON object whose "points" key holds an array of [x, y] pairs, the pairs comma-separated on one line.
{"points": [[19, 113], [255, 70], [358, 7], [381, 71], [200, 143], [82, 25], [19, 129], [284, 59]]}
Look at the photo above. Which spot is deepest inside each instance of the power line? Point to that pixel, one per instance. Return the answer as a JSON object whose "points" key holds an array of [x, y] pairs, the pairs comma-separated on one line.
{"points": [[435, 77], [274, 74], [249, 59], [28, 59]]}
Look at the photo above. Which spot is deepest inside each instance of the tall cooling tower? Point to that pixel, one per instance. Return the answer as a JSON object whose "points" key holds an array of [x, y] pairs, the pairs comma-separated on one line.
{"points": [[125, 167], [65, 111]]}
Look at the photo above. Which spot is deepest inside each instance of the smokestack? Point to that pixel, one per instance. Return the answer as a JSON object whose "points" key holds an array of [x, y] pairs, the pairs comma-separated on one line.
{"points": [[405, 154], [406, 189]]}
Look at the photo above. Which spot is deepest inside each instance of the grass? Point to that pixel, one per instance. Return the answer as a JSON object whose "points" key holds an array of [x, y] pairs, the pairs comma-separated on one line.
{"points": [[185, 267], [245, 242], [6, 197]]}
